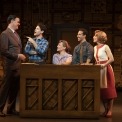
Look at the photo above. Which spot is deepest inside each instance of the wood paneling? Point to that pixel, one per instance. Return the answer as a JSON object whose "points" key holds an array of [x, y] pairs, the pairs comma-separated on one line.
{"points": [[53, 91]]}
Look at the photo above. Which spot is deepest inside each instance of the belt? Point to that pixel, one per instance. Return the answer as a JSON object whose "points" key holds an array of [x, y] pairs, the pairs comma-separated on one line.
{"points": [[101, 62], [36, 61]]}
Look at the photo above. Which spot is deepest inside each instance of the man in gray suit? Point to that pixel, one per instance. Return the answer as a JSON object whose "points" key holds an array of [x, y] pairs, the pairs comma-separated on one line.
{"points": [[10, 49]]}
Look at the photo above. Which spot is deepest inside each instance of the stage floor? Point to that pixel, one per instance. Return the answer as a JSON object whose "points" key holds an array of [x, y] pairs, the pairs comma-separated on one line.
{"points": [[117, 115]]}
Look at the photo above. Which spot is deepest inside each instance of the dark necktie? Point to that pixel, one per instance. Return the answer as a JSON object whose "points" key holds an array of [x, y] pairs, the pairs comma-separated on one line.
{"points": [[81, 55], [17, 37]]}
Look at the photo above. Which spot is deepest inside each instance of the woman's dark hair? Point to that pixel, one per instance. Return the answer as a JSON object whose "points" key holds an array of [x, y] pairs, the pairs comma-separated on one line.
{"points": [[66, 44], [11, 17]]}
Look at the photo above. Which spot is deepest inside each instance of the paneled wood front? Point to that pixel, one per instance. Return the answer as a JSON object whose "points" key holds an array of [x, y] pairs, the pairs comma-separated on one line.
{"points": [[54, 91]]}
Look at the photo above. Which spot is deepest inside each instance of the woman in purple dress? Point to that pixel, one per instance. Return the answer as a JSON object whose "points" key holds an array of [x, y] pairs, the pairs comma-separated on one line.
{"points": [[62, 57], [104, 57]]}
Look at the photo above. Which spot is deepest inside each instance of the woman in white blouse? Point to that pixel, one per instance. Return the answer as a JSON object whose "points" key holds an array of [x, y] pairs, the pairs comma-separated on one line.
{"points": [[104, 57]]}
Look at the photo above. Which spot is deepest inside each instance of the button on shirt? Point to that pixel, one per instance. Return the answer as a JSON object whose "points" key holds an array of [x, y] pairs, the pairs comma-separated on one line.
{"points": [[87, 53]]}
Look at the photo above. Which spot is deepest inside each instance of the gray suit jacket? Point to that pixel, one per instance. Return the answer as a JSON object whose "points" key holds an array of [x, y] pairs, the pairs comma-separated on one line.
{"points": [[10, 47]]}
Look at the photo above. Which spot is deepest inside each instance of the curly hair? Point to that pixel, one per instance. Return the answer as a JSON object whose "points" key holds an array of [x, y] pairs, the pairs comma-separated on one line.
{"points": [[101, 35]]}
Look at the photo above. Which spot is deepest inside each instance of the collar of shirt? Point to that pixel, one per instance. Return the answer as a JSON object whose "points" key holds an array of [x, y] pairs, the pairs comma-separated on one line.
{"points": [[11, 29], [82, 41], [37, 40]]}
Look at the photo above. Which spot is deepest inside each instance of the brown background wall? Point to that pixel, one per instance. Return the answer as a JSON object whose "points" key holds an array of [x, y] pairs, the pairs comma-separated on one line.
{"points": [[64, 17]]}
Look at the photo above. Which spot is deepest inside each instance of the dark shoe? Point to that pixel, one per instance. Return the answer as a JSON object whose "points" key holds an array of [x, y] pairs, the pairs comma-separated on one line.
{"points": [[2, 114], [13, 112], [8, 113]]}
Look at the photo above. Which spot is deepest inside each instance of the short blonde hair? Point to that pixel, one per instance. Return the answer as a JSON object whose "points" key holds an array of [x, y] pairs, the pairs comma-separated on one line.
{"points": [[102, 36]]}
